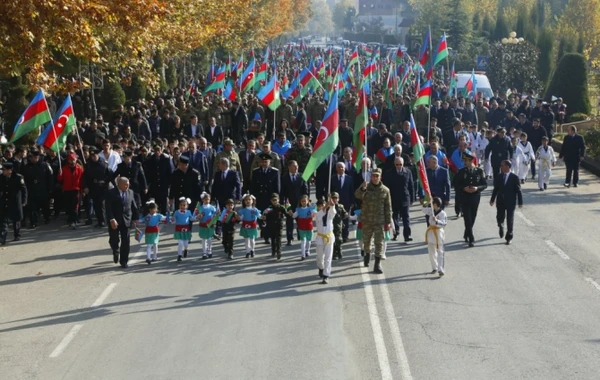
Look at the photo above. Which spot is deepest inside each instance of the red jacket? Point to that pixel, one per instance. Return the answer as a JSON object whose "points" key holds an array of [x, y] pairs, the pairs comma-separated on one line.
{"points": [[71, 179]]}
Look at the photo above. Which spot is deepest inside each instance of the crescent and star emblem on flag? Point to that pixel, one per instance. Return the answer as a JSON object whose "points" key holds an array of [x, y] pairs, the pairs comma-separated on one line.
{"points": [[60, 124], [322, 136]]}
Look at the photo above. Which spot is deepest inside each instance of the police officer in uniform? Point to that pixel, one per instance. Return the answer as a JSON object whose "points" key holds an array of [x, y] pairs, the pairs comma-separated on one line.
{"points": [[38, 177], [13, 196], [265, 182], [500, 149], [96, 177], [469, 182], [158, 175], [133, 170], [185, 182]]}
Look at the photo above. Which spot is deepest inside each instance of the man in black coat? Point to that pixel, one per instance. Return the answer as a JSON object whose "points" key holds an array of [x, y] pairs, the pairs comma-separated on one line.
{"points": [[213, 133], [38, 177], [239, 122], [346, 134], [158, 175], [13, 197], [246, 158], [193, 129], [185, 182], [135, 172], [507, 194], [122, 214], [226, 184], [265, 183], [293, 187], [343, 184], [400, 182], [573, 152], [534, 136], [96, 177], [500, 148], [445, 115]]}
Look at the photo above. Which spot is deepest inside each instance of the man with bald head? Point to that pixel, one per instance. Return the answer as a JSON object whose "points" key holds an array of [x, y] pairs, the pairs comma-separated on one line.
{"points": [[122, 214], [400, 182]]}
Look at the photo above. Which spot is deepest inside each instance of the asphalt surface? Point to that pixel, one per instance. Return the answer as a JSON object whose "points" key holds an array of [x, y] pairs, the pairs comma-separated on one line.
{"points": [[530, 310]]}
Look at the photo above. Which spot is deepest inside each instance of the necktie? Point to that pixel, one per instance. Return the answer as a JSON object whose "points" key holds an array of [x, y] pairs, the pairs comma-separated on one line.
{"points": [[293, 178], [123, 197], [505, 178], [456, 135], [223, 176]]}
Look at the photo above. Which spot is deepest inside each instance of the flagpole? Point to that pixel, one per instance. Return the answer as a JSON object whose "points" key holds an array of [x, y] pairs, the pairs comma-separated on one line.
{"points": [[79, 139], [330, 174]]}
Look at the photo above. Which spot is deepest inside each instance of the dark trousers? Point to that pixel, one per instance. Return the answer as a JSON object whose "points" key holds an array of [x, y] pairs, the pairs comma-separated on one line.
{"points": [[289, 228], [337, 244], [404, 213], [532, 167], [346, 227], [228, 231], [457, 202], [275, 235], [58, 197], [97, 200], [33, 209], [5, 221], [121, 237], [572, 171], [470, 204], [495, 169], [509, 213], [71, 205]]}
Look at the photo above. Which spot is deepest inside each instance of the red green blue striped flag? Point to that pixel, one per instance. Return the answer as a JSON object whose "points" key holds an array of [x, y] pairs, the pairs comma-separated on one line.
{"points": [[269, 94], [36, 114]]}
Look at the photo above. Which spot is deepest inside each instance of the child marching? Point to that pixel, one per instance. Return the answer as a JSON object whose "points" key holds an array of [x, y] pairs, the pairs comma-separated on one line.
{"points": [[183, 233], [547, 160], [228, 220], [248, 217], [304, 216], [274, 216], [527, 154], [435, 236], [325, 238], [151, 233], [207, 217]]}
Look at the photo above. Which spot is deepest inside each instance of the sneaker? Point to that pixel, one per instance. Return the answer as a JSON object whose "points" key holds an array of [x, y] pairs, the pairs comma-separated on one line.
{"points": [[567, 185], [230, 256], [204, 257], [441, 274]]}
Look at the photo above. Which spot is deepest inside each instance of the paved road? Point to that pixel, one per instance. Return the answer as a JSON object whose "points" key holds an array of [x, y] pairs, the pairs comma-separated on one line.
{"points": [[527, 311]]}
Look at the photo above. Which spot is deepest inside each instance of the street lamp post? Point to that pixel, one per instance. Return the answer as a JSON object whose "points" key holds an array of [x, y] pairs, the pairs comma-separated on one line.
{"points": [[508, 52]]}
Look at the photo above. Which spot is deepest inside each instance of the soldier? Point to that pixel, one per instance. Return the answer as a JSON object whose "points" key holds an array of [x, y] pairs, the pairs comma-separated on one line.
{"points": [[135, 172], [158, 170], [299, 152], [284, 111], [185, 182], [275, 161], [316, 109], [265, 182], [38, 176], [376, 216], [469, 182], [500, 149], [228, 153], [338, 225], [13, 196], [96, 178]]}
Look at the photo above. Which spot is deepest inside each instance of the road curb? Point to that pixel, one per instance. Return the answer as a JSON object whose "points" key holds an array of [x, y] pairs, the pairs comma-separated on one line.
{"points": [[590, 164]]}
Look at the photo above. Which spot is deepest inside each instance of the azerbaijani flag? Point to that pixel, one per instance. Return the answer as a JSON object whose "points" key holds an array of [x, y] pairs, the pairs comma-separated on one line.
{"points": [[399, 55], [424, 96], [419, 152], [214, 218], [218, 83], [424, 52], [269, 94], [55, 135], [327, 139], [230, 91], [353, 58], [470, 86], [441, 52], [362, 119], [247, 78], [37, 113]]}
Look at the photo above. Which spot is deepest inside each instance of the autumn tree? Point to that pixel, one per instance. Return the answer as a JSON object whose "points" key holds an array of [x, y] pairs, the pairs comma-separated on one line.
{"points": [[583, 16]]}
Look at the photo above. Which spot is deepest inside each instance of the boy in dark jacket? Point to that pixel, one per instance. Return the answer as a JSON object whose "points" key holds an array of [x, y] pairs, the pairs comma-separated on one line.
{"points": [[274, 216]]}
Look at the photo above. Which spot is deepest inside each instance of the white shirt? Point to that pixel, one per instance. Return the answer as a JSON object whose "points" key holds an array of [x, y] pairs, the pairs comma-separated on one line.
{"points": [[224, 175], [194, 130], [113, 159], [325, 229]]}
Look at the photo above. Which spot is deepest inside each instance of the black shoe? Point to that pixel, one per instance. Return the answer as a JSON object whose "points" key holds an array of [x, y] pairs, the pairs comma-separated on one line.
{"points": [[321, 273], [248, 255], [230, 256], [273, 254], [210, 255], [185, 253], [394, 237], [178, 258], [115, 256], [251, 253], [362, 252], [471, 245], [289, 243], [325, 280], [378, 269], [88, 223], [406, 240], [150, 262], [204, 257], [508, 242], [545, 186], [366, 260], [567, 185], [267, 241], [575, 185], [501, 231], [279, 256], [433, 272], [124, 266], [17, 238], [307, 254], [302, 258], [522, 182]]}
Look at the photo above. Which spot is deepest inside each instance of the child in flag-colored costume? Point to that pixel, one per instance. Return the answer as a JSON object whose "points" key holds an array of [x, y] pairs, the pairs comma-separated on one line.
{"points": [[228, 219], [435, 235], [248, 218], [325, 237], [182, 234], [207, 217], [304, 216], [151, 233]]}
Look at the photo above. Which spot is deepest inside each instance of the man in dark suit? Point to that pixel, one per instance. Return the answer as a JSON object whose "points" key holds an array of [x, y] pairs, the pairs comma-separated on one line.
{"points": [[157, 169], [507, 192], [135, 172], [265, 183], [122, 214], [193, 129], [246, 158], [13, 197], [573, 152], [198, 162], [343, 184], [213, 133], [500, 148], [293, 187], [226, 184], [210, 155], [390, 161], [346, 159], [400, 182], [439, 183]]}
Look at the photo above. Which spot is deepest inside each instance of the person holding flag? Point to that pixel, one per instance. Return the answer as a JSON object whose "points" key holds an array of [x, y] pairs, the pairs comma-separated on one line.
{"points": [[228, 220]]}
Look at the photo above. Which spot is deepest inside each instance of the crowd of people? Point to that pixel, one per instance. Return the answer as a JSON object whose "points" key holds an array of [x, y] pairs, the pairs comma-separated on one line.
{"points": [[217, 163]]}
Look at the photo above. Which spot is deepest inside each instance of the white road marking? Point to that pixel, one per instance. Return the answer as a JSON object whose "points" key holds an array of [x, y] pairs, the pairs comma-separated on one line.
{"points": [[104, 295], [382, 356], [395, 330], [524, 218], [556, 249], [594, 283], [65, 342]]}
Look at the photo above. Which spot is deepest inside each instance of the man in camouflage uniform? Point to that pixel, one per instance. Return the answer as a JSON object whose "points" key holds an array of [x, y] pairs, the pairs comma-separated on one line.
{"points": [[228, 153], [376, 216], [316, 109], [338, 225], [275, 160], [299, 152], [284, 111], [350, 108], [202, 113]]}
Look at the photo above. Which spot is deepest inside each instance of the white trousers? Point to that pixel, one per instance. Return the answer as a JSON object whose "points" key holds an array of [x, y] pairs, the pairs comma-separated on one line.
{"points": [[487, 168], [324, 254], [249, 244], [181, 245], [305, 247], [544, 175], [206, 246], [149, 249], [436, 256], [523, 170]]}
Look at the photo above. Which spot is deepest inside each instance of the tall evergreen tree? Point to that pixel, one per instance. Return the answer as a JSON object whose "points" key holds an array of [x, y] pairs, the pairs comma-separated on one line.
{"points": [[501, 29], [457, 23], [487, 29], [476, 21], [580, 44], [570, 81], [545, 62]]}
